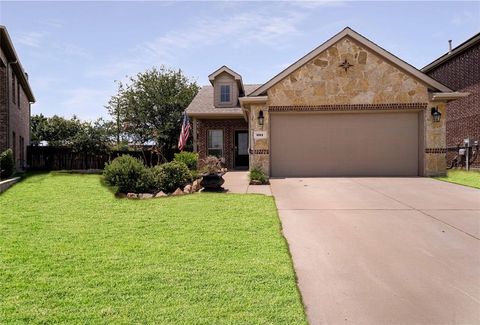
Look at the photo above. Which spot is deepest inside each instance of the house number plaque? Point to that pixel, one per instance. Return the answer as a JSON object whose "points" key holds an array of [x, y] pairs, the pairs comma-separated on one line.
{"points": [[259, 135]]}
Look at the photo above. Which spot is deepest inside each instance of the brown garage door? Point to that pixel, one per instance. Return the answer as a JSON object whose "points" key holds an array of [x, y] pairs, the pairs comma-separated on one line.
{"points": [[344, 144]]}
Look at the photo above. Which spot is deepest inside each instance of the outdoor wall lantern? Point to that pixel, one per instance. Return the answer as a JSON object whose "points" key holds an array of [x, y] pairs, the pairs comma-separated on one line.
{"points": [[260, 118], [436, 114]]}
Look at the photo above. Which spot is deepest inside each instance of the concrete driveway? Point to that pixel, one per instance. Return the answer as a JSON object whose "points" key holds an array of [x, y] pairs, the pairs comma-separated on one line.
{"points": [[383, 250]]}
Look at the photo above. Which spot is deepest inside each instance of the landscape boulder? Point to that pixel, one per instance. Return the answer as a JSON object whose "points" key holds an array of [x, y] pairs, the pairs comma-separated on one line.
{"points": [[187, 189], [196, 186], [178, 191], [160, 194], [144, 196], [132, 195]]}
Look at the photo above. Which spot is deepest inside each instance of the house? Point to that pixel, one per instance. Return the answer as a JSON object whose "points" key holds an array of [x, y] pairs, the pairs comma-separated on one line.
{"points": [[15, 99], [347, 108], [459, 69]]}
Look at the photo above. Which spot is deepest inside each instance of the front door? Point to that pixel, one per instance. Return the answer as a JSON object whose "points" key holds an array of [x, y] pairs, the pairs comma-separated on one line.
{"points": [[241, 149]]}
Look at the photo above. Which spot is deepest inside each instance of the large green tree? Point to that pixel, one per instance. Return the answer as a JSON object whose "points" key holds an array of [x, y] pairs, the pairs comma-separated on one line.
{"points": [[55, 130], [148, 108], [88, 137]]}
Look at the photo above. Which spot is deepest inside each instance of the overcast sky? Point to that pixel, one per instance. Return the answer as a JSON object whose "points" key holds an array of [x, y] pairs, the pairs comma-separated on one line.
{"points": [[74, 51]]}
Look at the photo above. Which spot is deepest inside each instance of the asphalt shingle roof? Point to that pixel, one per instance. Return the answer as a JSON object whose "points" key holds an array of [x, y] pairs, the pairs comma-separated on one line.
{"points": [[203, 102]]}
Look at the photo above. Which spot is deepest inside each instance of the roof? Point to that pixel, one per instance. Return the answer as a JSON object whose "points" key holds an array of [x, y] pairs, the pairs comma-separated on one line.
{"points": [[7, 47], [475, 39], [202, 103], [348, 32]]}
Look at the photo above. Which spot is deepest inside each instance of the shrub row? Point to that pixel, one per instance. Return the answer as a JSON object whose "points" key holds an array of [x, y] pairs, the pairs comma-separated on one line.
{"points": [[129, 174], [7, 164]]}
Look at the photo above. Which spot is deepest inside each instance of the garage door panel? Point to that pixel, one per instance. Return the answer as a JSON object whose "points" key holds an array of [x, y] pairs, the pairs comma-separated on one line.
{"points": [[346, 144]]}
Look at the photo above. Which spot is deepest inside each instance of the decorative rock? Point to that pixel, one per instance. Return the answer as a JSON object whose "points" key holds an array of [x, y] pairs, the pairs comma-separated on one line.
{"points": [[160, 194], [178, 191], [132, 195], [144, 196], [196, 186], [255, 182], [187, 189]]}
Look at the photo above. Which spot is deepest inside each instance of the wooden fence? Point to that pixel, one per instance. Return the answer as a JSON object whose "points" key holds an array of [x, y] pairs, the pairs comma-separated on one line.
{"points": [[64, 158]]}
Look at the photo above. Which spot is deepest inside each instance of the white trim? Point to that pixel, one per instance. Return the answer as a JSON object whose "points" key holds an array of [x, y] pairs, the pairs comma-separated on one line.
{"points": [[213, 115], [226, 69], [362, 40], [253, 100], [440, 97]]}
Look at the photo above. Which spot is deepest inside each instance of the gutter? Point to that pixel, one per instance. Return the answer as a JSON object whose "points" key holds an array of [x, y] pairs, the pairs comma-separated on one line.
{"points": [[442, 97]]}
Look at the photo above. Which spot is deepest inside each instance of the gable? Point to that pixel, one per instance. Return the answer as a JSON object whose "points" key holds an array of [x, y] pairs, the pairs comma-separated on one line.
{"points": [[372, 79]]}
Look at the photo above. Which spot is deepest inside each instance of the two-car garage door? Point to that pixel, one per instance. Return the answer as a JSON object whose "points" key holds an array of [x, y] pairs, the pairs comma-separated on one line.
{"points": [[344, 144]]}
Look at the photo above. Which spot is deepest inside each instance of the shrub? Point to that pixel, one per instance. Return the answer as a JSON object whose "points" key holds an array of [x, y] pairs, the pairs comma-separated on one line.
{"points": [[128, 174], [7, 163], [257, 175], [170, 176], [188, 158], [194, 174]]}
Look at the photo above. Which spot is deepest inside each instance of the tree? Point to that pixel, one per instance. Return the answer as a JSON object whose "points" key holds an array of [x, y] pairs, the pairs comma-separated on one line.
{"points": [[55, 130], [149, 108], [93, 138], [38, 125]]}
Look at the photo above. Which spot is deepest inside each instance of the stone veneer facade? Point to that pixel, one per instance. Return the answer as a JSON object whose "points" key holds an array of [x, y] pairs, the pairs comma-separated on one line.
{"points": [[372, 81]]}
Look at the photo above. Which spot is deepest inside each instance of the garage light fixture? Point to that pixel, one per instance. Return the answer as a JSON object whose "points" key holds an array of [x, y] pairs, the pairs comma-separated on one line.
{"points": [[260, 118], [436, 114]]}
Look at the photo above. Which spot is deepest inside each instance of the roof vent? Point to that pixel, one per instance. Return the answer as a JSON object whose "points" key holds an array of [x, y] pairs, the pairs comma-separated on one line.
{"points": [[449, 46]]}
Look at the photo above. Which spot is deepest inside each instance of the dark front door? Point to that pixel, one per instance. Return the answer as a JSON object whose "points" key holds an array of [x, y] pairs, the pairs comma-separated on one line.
{"points": [[241, 149]]}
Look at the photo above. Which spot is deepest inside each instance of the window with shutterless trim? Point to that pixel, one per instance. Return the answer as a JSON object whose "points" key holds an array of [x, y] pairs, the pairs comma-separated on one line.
{"points": [[215, 143], [225, 95]]}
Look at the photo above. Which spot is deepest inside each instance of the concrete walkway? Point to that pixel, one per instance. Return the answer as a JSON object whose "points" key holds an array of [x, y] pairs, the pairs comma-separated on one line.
{"points": [[383, 250], [237, 182]]}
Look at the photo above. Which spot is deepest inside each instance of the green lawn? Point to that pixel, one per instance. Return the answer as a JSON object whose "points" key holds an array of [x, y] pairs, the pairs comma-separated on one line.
{"points": [[462, 177], [70, 252]]}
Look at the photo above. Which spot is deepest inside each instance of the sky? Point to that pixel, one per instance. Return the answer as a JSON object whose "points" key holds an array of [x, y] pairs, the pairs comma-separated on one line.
{"points": [[74, 52]]}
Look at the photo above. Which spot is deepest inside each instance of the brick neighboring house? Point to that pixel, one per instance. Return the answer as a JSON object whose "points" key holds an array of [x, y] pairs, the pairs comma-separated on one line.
{"points": [[15, 99], [347, 108], [459, 69]]}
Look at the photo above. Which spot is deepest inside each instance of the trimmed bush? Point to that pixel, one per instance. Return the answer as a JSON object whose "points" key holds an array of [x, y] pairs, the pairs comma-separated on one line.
{"points": [[170, 176], [128, 174], [257, 175], [7, 163], [188, 158]]}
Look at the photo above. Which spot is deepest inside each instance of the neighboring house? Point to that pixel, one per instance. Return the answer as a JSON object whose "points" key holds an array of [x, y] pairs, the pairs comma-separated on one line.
{"points": [[15, 99], [347, 108], [459, 69]]}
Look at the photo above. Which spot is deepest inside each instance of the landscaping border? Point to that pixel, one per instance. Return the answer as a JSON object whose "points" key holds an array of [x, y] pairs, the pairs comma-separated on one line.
{"points": [[6, 184]]}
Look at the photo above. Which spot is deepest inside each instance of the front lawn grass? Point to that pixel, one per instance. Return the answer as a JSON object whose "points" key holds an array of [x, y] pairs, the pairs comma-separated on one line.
{"points": [[468, 178], [70, 252]]}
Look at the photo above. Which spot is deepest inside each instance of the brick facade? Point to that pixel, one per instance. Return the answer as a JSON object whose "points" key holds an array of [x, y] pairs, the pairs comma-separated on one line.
{"points": [[3, 109], [229, 127], [14, 104], [462, 73]]}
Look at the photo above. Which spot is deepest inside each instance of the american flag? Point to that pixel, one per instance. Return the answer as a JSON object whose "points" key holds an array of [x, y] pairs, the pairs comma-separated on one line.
{"points": [[185, 133]]}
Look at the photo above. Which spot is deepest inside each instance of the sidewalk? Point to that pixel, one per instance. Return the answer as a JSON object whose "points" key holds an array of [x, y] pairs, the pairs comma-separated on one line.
{"points": [[237, 182]]}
